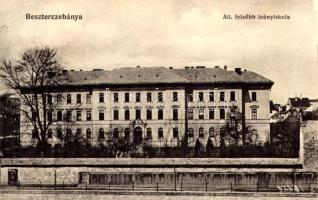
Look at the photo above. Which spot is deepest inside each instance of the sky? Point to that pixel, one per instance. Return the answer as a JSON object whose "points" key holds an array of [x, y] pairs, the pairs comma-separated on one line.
{"points": [[174, 33]]}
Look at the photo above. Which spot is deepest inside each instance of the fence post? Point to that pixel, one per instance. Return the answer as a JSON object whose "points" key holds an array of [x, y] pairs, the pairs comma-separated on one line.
{"points": [[231, 187], [133, 185], [157, 186], [206, 186]]}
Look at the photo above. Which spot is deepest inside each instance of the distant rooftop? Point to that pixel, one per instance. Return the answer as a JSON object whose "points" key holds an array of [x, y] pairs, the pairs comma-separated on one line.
{"points": [[153, 75], [298, 102]]}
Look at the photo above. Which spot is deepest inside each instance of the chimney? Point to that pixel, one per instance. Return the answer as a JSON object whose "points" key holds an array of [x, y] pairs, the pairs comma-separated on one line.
{"points": [[72, 70], [216, 67], [225, 67], [200, 67], [187, 67], [238, 71], [170, 67]]}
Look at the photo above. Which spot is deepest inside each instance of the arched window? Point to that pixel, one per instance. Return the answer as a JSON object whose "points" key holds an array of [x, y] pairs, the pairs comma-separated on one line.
{"points": [[211, 132], [101, 134], [149, 133], [78, 132], [160, 132], [49, 133], [127, 133], [88, 133], [175, 132], [190, 132], [116, 133], [201, 132]]}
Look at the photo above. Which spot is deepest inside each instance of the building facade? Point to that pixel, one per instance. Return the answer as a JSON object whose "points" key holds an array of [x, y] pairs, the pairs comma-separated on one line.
{"points": [[157, 103]]}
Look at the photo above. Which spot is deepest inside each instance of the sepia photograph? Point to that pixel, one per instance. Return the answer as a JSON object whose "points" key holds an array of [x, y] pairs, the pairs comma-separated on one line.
{"points": [[167, 99]]}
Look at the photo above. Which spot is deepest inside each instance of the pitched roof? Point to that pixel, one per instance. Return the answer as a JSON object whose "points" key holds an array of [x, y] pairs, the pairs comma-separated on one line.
{"points": [[299, 102], [152, 75]]}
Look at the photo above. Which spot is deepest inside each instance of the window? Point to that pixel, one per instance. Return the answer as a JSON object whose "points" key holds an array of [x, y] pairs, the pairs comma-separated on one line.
{"points": [[127, 133], [78, 132], [69, 115], [59, 115], [88, 98], [116, 133], [201, 132], [160, 97], [101, 114], [126, 97], [222, 113], [34, 133], [175, 96], [49, 133], [254, 113], [101, 134], [221, 96], [68, 98], [149, 133], [211, 132], [149, 97], [222, 133], [211, 96], [190, 113], [190, 132], [49, 116], [160, 114], [78, 98], [49, 99], [59, 98], [160, 133], [175, 114], [201, 96], [175, 132], [232, 96], [254, 96], [116, 97], [59, 133], [101, 97], [78, 115], [68, 133], [137, 97], [232, 111], [191, 96], [88, 133], [116, 114], [149, 114], [201, 113], [138, 114], [127, 114], [88, 115], [211, 113]]}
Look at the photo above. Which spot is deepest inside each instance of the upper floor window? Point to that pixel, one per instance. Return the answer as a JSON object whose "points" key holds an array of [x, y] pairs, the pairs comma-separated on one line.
{"points": [[59, 115], [127, 114], [222, 113], [254, 113], [201, 132], [175, 132], [116, 114], [101, 134], [175, 96], [254, 96], [88, 98], [49, 133], [78, 115], [149, 114], [175, 114], [138, 97], [115, 97], [138, 114], [201, 96], [78, 132], [211, 113], [49, 116], [149, 97], [101, 114], [160, 97], [191, 96], [116, 133], [126, 97], [88, 133], [160, 114], [201, 113], [101, 97], [160, 133], [211, 96], [232, 96], [149, 133], [190, 113], [69, 115], [211, 132], [59, 98], [127, 133], [190, 132], [69, 98], [59, 133], [49, 99], [78, 98], [222, 96], [88, 115]]}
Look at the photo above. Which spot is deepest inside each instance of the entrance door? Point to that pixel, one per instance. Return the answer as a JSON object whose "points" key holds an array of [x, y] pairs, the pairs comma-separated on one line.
{"points": [[12, 177], [137, 135]]}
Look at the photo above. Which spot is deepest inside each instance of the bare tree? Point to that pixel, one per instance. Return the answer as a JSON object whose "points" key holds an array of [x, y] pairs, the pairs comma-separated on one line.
{"points": [[32, 77]]}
